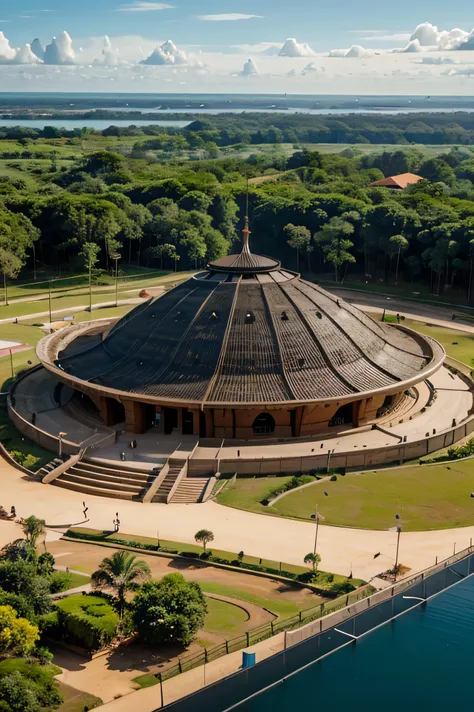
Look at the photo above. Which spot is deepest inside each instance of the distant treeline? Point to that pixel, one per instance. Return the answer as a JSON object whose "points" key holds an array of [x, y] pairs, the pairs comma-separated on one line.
{"points": [[231, 129]]}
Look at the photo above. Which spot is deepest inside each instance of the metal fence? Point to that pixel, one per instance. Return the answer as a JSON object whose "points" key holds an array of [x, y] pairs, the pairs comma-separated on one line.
{"points": [[251, 637], [353, 621]]}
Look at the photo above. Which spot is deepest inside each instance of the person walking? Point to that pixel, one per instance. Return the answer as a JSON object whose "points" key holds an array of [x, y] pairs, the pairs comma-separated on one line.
{"points": [[85, 510]]}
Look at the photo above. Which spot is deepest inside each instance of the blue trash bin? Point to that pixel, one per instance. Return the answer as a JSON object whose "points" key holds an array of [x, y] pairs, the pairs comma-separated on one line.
{"points": [[248, 659]]}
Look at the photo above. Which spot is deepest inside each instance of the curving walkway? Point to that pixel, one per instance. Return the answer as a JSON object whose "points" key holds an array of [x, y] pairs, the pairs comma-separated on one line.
{"points": [[342, 550]]}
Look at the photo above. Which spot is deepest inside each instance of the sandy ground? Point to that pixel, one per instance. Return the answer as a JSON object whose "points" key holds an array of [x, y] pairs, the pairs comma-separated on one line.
{"points": [[86, 558]]}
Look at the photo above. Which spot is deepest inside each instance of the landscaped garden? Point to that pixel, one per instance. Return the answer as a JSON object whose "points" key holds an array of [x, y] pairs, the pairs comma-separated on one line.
{"points": [[432, 496]]}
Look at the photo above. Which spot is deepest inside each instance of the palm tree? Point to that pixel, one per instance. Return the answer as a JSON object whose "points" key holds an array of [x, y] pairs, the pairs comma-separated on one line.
{"points": [[313, 559], [122, 572], [32, 529], [204, 536]]}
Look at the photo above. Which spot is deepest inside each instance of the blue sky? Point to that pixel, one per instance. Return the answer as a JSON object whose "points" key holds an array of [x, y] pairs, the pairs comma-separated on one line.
{"points": [[308, 20], [373, 46]]}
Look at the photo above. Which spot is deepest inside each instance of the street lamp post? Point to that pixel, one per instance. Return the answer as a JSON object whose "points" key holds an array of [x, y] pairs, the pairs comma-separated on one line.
{"points": [[61, 436], [399, 531], [115, 256], [11, 362], [49, 300], [330, 452], [316, 530], [34, 262]]}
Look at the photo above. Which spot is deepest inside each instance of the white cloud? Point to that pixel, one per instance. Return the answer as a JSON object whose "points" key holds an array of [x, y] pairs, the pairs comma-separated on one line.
{"points": [[60, 51], [110, 55], [309, 69], [269, 49], [24, 55], [7, 53], [166, 54], [429, 36], [144, 7], [412, 46], [249, 69], [228, 17], [292, 48], [437, 60], [354, 51]]}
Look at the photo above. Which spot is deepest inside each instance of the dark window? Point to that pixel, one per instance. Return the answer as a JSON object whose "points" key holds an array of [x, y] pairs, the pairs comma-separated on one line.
{"points": [[263, 423]]}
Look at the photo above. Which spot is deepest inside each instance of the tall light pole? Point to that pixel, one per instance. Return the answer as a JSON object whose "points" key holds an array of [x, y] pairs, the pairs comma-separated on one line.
{"points": [[49, 299], [34, 262], [115, 256], [316, 530], [11, 363], [61, 436], [330, 452], [399, 531]]}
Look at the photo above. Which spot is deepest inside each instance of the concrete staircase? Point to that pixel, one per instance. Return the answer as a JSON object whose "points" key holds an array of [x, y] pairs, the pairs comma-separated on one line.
{"points": [[49, 467], [120, 481], [190, 490], [175, 465]]}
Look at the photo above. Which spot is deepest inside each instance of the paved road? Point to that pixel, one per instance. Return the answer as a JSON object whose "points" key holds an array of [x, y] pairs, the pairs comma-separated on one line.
{"points": [[342, 550]]}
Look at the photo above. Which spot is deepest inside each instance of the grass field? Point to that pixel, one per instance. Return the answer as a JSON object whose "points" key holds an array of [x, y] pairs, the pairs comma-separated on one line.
{"points": [[76, 700], [181, 547], [13, 440], [224, 618], [248, 492], [281, 608], [427, 497]]}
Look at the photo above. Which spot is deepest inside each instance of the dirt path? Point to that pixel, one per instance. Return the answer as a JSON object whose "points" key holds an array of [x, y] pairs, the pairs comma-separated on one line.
{"points": [[86, 558]]}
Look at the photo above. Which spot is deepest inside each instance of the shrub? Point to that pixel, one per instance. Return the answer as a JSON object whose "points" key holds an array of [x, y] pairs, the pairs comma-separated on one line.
{"points": [[87, 620], [28, 686], [60, 581], [169, 611]]}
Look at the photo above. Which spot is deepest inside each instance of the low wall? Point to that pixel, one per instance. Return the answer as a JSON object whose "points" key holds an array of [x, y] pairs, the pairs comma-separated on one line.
{"points": [[362, 459]]}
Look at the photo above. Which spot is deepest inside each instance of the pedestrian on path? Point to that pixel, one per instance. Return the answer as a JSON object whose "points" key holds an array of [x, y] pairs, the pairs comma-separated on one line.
{"points": [[85, 510]]}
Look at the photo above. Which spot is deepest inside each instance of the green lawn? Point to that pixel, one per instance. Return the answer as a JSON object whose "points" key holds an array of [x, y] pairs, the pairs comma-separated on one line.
{"points": [[182, 547], [281, 608], [13, 440], [146, 680], [426, 496], [458, 344], [224, 618], [77, 580], [76, 700], [248, 492]]}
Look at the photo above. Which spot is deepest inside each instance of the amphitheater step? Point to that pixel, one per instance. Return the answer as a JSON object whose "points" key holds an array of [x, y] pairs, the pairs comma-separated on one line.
{"points": [[136, 476], [190, 490], [98, 491], [111, 477], [91, 481]]}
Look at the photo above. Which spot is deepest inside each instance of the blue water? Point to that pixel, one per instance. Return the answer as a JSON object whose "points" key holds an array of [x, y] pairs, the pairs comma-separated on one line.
{"points": [[421, 661], [98, 124]]}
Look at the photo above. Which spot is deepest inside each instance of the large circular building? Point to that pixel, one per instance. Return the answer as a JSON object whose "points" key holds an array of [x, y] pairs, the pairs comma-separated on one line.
{"points": [[246, 350]]}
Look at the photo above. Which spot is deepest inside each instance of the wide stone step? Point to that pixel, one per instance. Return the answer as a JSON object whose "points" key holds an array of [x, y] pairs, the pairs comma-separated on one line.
{"points": [[92, 482], [118, 468], [97, 491], [144, 481]]}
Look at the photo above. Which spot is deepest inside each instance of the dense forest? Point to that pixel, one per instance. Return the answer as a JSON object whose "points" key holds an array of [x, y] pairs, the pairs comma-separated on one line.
{"points": [[69, 203], [257, 128]]}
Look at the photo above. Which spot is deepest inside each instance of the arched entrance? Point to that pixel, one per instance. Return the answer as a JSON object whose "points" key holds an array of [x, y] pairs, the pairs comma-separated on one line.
{"points": [[263, 424], [342, 416]]}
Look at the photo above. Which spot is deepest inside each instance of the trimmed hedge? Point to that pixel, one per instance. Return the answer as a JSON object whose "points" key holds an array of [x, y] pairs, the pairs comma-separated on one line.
{"points": [[87, 620]]}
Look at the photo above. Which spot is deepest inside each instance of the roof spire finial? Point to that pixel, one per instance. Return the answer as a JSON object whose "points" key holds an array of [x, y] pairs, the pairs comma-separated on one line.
{"points": [[246, 231]]}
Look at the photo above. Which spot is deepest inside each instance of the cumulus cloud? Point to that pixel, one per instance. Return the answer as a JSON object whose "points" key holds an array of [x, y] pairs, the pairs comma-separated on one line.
{"points": [[7, 53], [110, 55], [60, 51], [24, 55], [144, 7], [429, 36], [354, 51], [412, 46], [309, 69], [166, 54], [228, 17], [249, 69], [292, 48]]}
